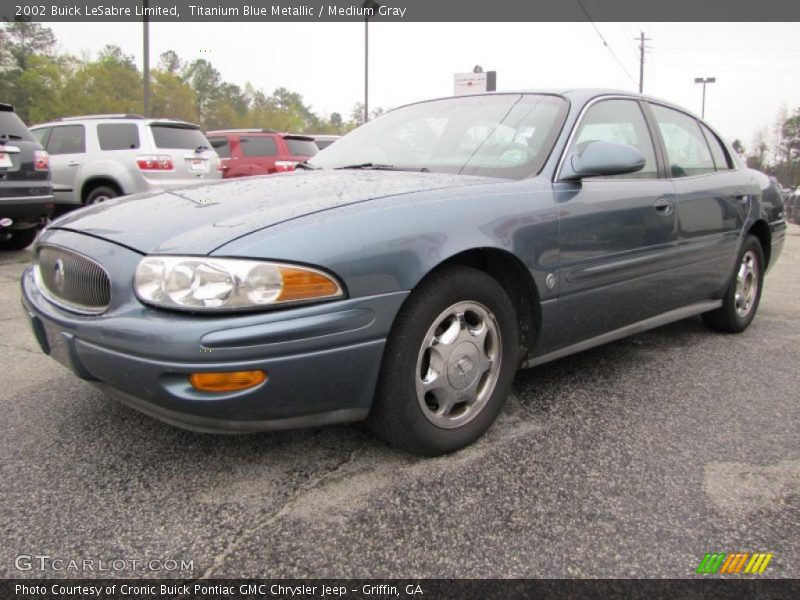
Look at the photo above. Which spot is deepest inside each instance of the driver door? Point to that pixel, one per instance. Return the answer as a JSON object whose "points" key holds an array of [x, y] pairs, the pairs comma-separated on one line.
{"points": [[618, 234]]}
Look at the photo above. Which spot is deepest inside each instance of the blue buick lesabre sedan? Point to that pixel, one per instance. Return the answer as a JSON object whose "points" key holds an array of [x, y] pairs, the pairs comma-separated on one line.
{"points": [[405, 273]]}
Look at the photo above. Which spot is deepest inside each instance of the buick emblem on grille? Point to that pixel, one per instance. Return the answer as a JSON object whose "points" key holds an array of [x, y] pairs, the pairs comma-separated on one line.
{"points": [[58, 274]]}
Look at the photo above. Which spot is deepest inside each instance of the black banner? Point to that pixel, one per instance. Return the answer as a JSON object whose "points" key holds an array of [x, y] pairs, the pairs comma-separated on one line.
{"points": [[401, 10], [404, 589]]}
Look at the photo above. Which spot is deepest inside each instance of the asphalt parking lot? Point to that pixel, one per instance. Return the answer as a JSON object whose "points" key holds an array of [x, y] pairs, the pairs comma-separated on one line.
{"points": [[630, 460]]}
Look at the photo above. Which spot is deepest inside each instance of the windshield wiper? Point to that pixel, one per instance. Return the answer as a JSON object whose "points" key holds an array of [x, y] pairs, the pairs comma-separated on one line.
{"points": [[10, 136], [383, 167]]}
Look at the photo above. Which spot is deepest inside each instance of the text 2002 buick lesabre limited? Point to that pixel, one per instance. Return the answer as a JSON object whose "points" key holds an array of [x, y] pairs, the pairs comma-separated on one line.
{"points": [[411, 269]]}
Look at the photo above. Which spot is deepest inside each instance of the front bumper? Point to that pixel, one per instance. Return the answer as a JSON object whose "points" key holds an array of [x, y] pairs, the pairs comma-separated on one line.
{"points": [[321, 361]]}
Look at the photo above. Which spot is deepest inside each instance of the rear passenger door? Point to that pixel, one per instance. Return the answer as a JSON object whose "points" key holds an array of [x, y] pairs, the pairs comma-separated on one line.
{"points": [[618, 234], [712, 200], [67, 148]]}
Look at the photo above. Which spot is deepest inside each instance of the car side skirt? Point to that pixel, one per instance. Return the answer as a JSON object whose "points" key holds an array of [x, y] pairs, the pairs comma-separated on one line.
{"points": [[634, 328]]}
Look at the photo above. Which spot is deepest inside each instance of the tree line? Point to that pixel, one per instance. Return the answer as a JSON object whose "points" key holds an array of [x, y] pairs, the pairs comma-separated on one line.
{"points": [[776, 150], [44, 84]]}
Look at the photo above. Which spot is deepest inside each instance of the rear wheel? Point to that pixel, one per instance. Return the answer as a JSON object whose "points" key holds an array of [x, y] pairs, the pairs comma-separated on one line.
{"points": [[101, 194], [448, 365], [743, 295], [20, 239]]}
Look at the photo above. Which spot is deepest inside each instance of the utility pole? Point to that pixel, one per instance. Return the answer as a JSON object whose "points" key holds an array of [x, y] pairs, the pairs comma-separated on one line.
{"points": [[642, 48], [146, 59]]}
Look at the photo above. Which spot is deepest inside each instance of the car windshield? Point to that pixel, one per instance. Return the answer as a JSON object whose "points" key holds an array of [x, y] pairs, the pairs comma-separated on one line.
{"points": [[498, 135]]}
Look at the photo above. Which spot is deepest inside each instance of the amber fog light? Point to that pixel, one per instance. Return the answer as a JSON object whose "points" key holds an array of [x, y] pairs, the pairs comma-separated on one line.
{"points": [[227, 382]]}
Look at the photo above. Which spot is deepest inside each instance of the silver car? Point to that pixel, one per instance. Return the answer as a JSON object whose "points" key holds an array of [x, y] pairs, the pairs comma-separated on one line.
{"points": [[98, 157]]}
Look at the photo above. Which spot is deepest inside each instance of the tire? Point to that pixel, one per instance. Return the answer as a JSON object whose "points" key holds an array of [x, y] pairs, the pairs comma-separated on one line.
{"points": [[100, 194], [740, 303], [468, 363], [20, 239]]}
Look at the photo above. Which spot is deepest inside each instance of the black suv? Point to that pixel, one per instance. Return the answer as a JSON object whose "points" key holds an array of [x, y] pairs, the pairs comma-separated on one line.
{"points": [[26, 193]]}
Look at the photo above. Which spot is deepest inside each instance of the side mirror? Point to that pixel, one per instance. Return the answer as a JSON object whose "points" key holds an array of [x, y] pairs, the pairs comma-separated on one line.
{"points": [[602, 158]]}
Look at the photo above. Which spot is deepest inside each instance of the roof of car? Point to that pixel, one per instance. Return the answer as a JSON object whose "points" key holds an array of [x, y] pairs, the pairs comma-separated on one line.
{"points": [[283, 134], [117, 117], [577, 95], [245, 130]]}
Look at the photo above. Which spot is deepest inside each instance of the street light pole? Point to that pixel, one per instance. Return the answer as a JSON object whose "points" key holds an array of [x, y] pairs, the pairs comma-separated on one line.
{"points": [[704, 81], [371, 6]]}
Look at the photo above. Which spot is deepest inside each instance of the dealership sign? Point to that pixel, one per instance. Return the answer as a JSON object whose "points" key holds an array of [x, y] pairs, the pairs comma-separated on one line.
{"points": [[474, 83]]}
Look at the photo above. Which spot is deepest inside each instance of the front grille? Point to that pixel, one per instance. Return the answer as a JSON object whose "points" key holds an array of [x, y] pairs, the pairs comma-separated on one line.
{"points": [[72, 280]]}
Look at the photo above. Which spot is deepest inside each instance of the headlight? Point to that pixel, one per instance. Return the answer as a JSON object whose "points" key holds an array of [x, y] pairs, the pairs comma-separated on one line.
{"points": [[219, 284]]}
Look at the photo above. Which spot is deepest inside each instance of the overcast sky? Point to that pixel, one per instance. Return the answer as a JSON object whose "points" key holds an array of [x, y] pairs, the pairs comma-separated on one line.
{"points": [[757, 65]]}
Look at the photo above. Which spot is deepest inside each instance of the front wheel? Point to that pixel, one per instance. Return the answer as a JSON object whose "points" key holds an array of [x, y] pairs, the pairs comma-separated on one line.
{"points": [[740, 303], [448, 365]]}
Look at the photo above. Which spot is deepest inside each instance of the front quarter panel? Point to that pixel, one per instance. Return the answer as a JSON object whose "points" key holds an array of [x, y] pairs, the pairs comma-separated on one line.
{"points": [[390, 244]]}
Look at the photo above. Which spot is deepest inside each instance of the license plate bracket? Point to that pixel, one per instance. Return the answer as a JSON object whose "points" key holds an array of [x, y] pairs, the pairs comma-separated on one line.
{"points": [[198, 165]]}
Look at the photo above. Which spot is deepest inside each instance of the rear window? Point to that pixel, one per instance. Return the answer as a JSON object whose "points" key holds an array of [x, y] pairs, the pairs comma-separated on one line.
{"points": [[118, 136], [13, 127], [221, 146], [180, 138], [258, 146], [299, 147]]}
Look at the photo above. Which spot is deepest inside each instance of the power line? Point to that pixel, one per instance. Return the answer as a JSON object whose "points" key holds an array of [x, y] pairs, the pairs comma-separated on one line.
{"points": [[605, 43]]}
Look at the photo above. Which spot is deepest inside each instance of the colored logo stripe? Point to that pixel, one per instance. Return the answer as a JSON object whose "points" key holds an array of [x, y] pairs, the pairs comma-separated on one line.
{"points": [[734, 563]]}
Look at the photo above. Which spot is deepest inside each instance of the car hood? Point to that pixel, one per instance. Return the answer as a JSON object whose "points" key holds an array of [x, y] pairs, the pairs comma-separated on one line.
{"points": [[199, 219]]}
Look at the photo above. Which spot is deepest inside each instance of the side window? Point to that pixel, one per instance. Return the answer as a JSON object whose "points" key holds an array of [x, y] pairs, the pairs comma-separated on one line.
{"points": [[718, 152], [118, 136], [258, 146], [687, 150], [220, 146], [69, 139], [40, 135], [619, 121]]}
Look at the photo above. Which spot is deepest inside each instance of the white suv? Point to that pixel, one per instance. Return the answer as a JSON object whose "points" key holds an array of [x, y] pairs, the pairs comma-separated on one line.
{"points": [[94, 158]]}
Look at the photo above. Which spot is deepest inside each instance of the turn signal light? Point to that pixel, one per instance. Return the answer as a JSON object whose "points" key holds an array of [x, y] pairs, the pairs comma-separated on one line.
{"points": [[227, 382], [300, 284]]}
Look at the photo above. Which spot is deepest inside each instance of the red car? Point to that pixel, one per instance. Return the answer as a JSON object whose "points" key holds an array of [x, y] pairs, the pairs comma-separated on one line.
{"points": [[245, 152]]}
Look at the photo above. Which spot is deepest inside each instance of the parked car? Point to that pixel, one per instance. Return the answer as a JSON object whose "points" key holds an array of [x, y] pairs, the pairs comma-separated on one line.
{"points": [[246, 152], [96, 158], [405, 273], [26, 194], [324, 140]]}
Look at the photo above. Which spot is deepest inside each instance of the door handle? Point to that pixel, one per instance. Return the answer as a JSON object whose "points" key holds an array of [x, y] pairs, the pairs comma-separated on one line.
{"points": [[73, 163], [664, 206]]}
